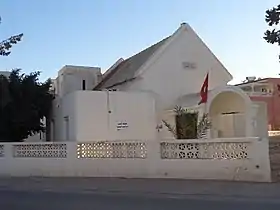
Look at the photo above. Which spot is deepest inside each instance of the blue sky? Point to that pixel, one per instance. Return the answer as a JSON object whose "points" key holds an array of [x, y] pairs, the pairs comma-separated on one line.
{"points": [[98, 32]]}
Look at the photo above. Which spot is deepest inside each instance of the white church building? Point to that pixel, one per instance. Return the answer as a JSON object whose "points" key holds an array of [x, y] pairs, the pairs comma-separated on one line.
{"points": [[111, 124], [130, 100]]}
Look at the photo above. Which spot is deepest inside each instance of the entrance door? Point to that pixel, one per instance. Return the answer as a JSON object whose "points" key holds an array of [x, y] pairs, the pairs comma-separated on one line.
{"points": [[231, 125]]}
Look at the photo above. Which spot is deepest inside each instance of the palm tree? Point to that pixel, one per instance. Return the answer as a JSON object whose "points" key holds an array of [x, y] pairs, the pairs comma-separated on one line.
{"points": [[187, 124]]}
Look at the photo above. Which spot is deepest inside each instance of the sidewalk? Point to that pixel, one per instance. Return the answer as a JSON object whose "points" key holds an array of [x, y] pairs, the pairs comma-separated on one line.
{"points": [[145, 186]]}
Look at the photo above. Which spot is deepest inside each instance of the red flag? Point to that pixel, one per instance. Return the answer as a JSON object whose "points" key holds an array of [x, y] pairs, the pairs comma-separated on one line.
{"points": [[204, 91]]}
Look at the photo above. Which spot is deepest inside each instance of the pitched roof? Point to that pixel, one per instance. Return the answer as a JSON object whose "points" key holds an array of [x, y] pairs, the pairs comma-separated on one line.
{"points": [[126, 70]]}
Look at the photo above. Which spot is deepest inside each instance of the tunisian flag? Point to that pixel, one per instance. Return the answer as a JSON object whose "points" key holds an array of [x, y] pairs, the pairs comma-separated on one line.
{"points": [[204, 91]]}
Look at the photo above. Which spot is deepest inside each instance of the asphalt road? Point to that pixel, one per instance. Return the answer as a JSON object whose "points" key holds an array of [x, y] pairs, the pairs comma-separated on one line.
{"points": [[35, 200]]}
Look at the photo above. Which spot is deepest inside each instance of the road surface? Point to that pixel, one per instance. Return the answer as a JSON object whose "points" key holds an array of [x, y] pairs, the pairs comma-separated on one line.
{"points": [[35, 193], [44, 200]]}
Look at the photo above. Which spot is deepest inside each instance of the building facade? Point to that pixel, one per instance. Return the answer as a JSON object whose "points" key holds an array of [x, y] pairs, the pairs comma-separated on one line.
{"points": [[266, 90], [142, 90], [133, 97]]}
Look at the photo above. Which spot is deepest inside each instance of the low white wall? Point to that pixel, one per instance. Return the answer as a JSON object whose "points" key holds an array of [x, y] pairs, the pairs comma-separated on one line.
{"points": [[223, 159], [104, 115]]}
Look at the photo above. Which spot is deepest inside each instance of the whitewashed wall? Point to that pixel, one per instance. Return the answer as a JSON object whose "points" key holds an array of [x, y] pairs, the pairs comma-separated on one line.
{"points": [[260, 119], [70, 79], [165, 73], [64, 107], [223, 159], [99, 114]]}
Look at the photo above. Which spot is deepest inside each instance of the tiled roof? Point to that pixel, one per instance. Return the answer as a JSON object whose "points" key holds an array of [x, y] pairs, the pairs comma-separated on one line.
{"points": [[126, 70]]}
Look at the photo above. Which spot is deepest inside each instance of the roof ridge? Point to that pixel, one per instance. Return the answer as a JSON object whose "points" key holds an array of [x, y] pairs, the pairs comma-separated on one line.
{"points": [[147, 48], [108, 76], [125, 71]]}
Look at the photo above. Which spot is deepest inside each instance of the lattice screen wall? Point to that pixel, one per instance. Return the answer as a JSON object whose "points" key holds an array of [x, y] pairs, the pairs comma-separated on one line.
{"points": [[204, 150], [134, 150], [112, 150], [2, 152], [52, 150]]}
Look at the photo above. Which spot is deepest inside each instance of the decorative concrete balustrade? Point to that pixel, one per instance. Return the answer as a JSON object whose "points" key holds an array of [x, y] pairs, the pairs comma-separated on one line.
{"points": [[2, 151], [244, 159], [112, 150], [219, 150], [53, 150]]}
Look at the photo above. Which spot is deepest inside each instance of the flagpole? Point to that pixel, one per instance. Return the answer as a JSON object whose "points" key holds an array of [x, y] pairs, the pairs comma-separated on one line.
{"points": [[205, 107], [204, 96], [206, 104]]}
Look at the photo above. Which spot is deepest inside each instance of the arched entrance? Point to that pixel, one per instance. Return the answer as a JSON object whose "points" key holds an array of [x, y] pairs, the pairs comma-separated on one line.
{"points": [[229, 112]]}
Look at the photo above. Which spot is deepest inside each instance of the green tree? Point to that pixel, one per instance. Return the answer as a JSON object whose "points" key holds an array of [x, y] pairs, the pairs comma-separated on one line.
{"points": [[24, 103], [188, 126], [272, 18], [6, 45]]}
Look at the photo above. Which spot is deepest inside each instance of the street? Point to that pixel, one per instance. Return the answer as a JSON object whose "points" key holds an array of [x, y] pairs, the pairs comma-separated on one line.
{"points": [[21, 200], [28, 193]]}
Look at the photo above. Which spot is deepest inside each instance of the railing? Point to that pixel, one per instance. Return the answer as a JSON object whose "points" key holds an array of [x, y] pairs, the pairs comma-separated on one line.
{"points": [[273, 133], [45, 150], [106, 149], [204, 150]]}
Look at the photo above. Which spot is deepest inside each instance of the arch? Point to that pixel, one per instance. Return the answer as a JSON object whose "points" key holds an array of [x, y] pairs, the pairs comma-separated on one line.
{"points": [[229, 110], [232, 89]]}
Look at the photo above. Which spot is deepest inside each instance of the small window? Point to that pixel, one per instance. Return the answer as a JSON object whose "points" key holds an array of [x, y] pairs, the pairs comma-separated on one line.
{"points": [[84, 85], [189, 65]]}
